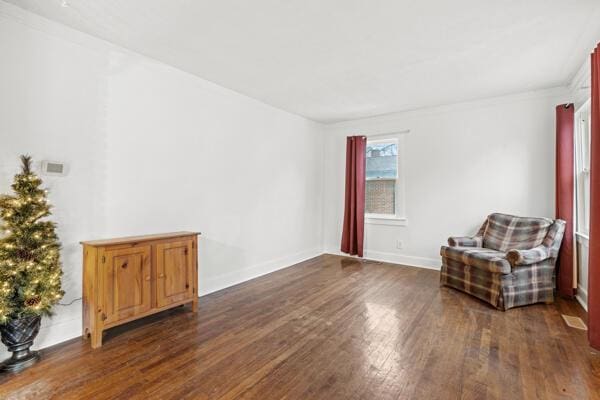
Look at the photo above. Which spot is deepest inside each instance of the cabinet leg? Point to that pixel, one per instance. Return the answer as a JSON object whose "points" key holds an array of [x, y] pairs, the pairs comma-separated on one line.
{"points": [[96, 338], [195, 304]]}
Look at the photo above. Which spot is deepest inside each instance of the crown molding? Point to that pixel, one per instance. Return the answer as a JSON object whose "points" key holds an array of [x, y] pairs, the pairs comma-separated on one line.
{"points": [[559, 93]]}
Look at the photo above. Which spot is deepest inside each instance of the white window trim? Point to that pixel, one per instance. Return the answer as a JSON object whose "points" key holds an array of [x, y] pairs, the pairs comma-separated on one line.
{"points": [[399, 219], [580, 235], [382, 219]]}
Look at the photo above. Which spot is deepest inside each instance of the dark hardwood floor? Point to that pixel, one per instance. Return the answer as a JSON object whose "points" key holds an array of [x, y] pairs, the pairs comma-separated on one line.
{"points": [[328, 328]]}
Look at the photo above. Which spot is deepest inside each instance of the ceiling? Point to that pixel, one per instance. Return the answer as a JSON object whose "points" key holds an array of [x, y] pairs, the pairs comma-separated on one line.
{"points": [[334, 60]]}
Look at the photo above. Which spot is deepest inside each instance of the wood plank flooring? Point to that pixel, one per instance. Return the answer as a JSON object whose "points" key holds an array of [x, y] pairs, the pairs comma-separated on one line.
{"points": [[328, 328]]}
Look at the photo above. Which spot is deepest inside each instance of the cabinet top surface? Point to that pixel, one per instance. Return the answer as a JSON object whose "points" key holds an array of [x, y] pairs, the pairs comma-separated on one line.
{"points": [[133, 239]]}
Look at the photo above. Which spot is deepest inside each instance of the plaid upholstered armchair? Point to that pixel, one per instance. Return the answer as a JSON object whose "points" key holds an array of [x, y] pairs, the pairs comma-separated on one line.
{"points": [[508, 263]]}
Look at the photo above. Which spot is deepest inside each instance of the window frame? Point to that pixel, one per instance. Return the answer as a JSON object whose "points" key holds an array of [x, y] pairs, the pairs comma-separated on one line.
{"points": [[399, 217], [582, 205]]}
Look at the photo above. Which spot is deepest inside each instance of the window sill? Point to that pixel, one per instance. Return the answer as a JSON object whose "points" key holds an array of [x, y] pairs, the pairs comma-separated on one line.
{"points": [[582, 238], [385, 220]]}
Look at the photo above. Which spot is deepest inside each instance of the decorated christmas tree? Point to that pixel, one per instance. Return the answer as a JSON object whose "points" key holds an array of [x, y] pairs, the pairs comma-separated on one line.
{"points": [[30, 268]]}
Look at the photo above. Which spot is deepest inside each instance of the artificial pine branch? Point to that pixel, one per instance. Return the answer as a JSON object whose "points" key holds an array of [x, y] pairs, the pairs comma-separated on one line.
{"points": [[26, 163], [30, 268]]}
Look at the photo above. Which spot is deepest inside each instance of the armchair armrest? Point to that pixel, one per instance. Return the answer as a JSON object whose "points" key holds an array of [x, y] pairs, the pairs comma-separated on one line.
{"points": [[528, 257], [465, 241], [469, 241]]}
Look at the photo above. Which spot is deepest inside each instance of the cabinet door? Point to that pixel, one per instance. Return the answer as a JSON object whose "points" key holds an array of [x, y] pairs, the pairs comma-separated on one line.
{"points": [[174, 272], [127, 283]]}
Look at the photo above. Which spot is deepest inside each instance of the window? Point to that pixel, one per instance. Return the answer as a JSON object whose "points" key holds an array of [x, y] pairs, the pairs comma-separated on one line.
{"points": [[582, 168], [383, 195]]}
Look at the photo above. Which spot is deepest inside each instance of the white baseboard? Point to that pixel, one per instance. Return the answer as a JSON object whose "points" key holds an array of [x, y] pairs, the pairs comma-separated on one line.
{"points": [[582, 297], [54, 333], [411, 261], [236, 277]]}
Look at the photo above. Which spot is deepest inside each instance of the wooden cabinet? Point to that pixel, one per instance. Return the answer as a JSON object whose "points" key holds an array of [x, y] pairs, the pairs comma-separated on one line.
{"points": [[129, 278], [126, 274], [175, 272]]}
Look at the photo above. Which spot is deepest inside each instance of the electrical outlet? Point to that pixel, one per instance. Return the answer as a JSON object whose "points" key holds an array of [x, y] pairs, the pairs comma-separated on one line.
{"points": [[399, 244]]}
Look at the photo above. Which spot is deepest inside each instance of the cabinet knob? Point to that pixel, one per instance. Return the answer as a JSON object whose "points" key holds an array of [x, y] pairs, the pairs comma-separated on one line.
{"points": [[161, 275], [124, 265], [147, 278]]}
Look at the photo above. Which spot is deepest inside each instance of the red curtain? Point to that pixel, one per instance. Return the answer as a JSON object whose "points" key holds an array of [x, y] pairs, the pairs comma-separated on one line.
{"points": [[354, 210], [565, 114], [594, 260]]}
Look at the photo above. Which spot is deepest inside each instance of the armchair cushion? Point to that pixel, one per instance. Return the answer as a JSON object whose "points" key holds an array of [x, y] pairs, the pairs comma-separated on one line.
{"points": [[486, 259]]}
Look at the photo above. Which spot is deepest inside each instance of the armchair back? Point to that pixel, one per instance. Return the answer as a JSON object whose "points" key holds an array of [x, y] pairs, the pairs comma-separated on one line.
{"points": [[505, 232]]}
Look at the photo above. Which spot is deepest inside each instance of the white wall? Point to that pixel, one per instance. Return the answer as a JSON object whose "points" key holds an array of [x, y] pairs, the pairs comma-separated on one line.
{"points": [[185, 154], [153, 149], [462, 162], [50, 91]]}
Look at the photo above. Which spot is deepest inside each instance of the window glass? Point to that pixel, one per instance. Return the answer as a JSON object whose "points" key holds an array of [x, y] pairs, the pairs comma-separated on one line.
{"points": [[381, 175]]}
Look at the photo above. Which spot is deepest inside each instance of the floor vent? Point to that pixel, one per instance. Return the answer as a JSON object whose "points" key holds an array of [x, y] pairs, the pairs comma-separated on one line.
{"points": [[366, 261], [575, 322]]}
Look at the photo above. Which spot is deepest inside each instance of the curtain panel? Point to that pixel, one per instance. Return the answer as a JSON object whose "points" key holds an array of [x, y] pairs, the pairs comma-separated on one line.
{"points": [[354, 206], [565, 135], [594, 256]]}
